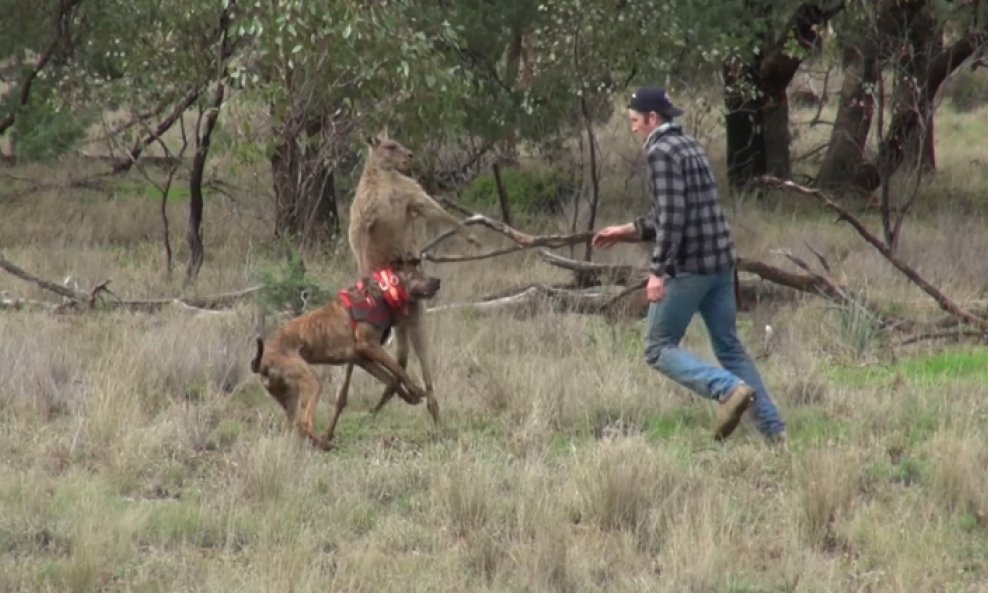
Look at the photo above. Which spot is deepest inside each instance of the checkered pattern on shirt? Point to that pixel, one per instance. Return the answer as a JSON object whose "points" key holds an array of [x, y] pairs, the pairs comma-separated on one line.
{"points": [[689, 228]]}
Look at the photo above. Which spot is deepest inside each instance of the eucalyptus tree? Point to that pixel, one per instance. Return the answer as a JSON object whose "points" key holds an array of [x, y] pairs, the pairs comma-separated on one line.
{"points": [[72, 61], [328, 73], [915, 44], [592, 50], [37, 41]]}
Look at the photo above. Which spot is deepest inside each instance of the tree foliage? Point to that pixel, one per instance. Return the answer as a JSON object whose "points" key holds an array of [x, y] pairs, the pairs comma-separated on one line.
{"points": [[324, 74]]}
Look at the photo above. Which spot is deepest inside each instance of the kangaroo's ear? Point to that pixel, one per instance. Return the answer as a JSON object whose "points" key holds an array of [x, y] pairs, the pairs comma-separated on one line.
{"points": [[373, 141]]}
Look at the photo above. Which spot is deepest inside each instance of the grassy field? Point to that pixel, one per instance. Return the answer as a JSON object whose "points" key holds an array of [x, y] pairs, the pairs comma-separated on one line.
{"points": [[140, 455]]}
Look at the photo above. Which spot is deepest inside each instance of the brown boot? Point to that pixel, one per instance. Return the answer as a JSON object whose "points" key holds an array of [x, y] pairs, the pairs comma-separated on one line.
{"points": [[732, 408]]}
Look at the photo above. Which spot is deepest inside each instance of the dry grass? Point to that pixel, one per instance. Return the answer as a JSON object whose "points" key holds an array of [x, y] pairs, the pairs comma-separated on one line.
{"points": [[140, 455]]}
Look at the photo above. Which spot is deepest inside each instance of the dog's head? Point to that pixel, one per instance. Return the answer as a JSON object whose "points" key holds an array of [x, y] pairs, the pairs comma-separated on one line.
{"points": [[420, 285], [388, 154], [402, 284]]}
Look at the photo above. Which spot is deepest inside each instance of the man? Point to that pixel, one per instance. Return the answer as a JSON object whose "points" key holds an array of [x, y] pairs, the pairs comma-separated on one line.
{"points": [[692, 270]]}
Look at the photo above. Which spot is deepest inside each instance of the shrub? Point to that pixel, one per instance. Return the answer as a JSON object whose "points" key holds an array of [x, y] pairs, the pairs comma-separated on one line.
{"points": [[529, 191], [45, 130], [289, 288]]}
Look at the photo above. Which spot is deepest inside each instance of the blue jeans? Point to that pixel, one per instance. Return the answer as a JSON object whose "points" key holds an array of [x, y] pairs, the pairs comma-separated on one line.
{"points": [[713, 296]]}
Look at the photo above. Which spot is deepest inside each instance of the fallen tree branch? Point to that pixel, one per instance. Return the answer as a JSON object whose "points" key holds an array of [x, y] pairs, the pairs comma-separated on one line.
{"points": [[18, 304], [445, 259], [208, 303], [42, 283], [942, 335], [522, 240], [590, 301], [619, 273], [801, 282], [823, 284], [589, 273], [624, 273], [945, 302], [811, 282], [89, 299]]}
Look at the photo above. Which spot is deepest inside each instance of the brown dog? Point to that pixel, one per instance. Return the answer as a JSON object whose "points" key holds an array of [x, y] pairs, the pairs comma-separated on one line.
{"points": [[348, 330]]}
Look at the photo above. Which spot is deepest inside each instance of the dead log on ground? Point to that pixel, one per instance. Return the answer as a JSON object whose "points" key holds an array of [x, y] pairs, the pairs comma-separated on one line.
{"points": [[75, 299]]}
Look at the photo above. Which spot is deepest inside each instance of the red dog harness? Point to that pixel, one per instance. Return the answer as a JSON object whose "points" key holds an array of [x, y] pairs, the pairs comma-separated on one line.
{"points": [[365, 308]]}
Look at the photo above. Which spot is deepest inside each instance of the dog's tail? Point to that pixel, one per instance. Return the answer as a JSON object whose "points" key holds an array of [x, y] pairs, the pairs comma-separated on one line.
{"points": [[255, 365]]}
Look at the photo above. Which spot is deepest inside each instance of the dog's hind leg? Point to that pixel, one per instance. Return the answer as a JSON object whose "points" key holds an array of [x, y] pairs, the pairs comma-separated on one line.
{"points": [[341, 397]]}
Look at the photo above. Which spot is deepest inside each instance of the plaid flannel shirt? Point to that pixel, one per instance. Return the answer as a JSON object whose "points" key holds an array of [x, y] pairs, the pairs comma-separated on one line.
{"points": [[689, 228]]}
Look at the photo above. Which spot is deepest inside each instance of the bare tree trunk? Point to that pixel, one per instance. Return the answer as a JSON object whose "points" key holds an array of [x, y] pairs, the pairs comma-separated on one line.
{"points": [[746, 159], [775, 130], [502, 195], [165, 234], [757, 118], [910, 137], [594, 173], [194, 231], [843, 165]]}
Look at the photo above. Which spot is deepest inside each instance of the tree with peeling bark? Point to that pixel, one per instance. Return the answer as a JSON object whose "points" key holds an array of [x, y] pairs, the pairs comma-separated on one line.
{"points": [[917, 44], [756, 79]]}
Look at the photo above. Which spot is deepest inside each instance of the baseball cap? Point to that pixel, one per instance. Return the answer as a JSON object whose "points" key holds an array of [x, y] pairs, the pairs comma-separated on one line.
{"points": [[647, 99]]}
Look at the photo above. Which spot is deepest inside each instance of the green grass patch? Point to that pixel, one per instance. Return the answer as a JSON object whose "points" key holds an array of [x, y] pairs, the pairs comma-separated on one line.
{"points": [[904, 471], [563, 444], [176, 524], [678, 422], [812, 425], [967, 365], [971, 364]]}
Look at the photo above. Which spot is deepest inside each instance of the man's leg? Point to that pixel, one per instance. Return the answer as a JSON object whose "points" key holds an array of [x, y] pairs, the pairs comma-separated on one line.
{"points": [[667, 323], [719, 311]]}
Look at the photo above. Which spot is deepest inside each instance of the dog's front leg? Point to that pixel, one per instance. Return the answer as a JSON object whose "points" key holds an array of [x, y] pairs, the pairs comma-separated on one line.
{"points": [[384, 375], [401, 336], [373, 352]]}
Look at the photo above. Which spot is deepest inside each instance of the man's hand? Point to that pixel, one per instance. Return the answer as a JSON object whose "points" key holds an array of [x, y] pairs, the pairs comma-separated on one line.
{"points": [[655, 290], [608, 236]]}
